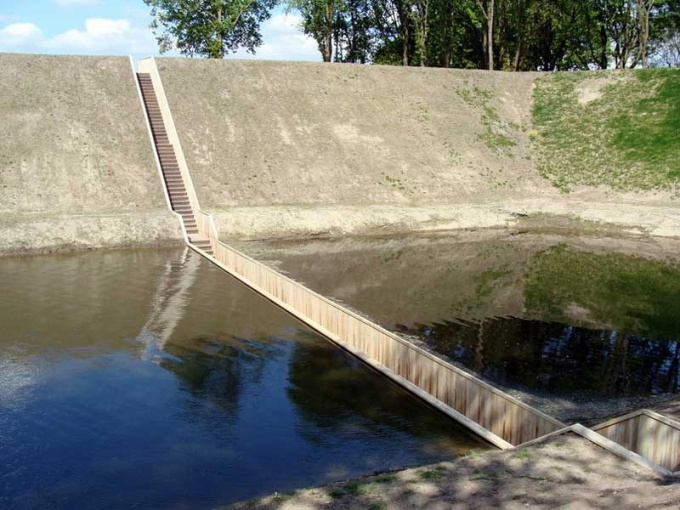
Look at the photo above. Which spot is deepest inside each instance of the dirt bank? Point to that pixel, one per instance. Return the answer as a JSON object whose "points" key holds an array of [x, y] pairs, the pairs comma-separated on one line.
{"points": [[563, 472], [76, 166], [267, 222], [282, 149]]}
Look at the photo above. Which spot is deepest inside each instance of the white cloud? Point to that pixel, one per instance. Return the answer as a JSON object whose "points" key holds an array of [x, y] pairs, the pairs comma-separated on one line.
{"points": [[19, 35], [76, 2], [283, 40], [101, 35]]}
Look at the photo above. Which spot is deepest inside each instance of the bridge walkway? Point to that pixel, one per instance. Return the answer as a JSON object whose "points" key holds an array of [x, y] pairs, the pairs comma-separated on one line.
{"points": [[174, 181], [494, 415]]}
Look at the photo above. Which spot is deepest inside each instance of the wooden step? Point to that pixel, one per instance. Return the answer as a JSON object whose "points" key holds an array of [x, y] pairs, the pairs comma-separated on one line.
{"points": [[179, 198]]}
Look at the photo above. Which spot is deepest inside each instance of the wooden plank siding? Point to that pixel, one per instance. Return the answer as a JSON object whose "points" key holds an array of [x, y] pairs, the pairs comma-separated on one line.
{"points": [[501, 414], [648, 434]]}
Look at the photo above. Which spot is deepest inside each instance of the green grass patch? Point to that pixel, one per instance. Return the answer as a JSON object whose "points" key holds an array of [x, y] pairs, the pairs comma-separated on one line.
{"points": [[474, 454], [497, 134], [337, 493], [358, 489], [620, 129], [523, 454], [432, 474], [382, 479]]}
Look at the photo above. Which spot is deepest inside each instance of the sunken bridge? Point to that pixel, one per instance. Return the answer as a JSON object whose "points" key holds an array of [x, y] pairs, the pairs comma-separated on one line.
{"points": [[644, 437]]}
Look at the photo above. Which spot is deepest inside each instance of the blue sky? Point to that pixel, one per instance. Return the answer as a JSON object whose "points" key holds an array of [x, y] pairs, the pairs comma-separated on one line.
{"points": [[121, 27]]}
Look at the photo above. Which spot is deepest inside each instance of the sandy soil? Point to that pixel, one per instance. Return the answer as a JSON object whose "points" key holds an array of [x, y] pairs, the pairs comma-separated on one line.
{"points": [[267, 222], [77, 169], [563, 472], [280, 149]]}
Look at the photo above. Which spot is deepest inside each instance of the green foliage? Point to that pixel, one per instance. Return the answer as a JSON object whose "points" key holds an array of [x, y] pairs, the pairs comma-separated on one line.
{"points": [[208, 28], [497, 134], [528, 35], [630, 294], [343, 29], [358, 488], [433, 474], [621, 130]]}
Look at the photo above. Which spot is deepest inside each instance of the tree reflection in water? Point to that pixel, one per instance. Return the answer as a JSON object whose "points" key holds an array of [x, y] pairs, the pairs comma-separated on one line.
{"points": [[558, 358], [331, 388]]}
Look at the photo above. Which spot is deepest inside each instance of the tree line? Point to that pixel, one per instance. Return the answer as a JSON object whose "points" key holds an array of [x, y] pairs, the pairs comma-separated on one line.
{"points": [[509, 35]]}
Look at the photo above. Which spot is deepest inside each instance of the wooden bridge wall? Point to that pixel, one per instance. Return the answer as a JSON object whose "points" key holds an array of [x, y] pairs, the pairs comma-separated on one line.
{"points": [[504, 416], [648, 434]]}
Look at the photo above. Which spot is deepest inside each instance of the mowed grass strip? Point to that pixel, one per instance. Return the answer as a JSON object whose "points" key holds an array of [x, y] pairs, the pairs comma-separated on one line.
{"points": [[615, 128]]}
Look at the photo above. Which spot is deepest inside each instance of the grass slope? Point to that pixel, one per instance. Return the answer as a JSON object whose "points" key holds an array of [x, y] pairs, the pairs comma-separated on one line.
{"points": [[620, 129]]}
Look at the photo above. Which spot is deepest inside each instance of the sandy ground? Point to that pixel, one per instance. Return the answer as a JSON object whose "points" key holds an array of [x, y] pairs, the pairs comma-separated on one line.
{"points": [[261, 222], [563, 472], [77, 169]]}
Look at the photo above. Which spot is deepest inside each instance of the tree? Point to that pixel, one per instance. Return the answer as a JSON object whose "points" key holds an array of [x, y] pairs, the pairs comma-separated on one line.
{"points": [[644, 9], [665, 34], [488, 9], [418, 12], [209, 28], [320, 20]]}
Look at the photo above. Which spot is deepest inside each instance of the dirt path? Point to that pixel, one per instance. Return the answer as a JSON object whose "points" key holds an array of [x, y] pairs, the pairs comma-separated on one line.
{"points": [[563, 472]]}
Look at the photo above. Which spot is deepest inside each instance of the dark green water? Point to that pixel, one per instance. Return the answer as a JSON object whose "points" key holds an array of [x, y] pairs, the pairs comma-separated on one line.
{"points": [[150, 379], [548, 314]]}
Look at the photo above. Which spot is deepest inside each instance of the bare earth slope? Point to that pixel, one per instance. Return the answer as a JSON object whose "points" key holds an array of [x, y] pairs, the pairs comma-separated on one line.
{"points": [[284, 148], [264, 133], [76, 165]]}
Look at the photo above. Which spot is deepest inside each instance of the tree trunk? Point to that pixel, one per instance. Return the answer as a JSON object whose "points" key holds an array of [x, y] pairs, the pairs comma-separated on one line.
{"points": [[518, 56], [489, 24], [402, 12], [644, 7], [220, 34], [327, 49], [488, 15], [604, 41]]}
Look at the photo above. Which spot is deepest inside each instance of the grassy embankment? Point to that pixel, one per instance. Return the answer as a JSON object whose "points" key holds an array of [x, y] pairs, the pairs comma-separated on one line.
{"points": [[620, 129]]}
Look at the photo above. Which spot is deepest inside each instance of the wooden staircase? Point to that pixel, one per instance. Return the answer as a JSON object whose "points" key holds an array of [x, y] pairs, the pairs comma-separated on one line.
{"points": [[174, 183]]}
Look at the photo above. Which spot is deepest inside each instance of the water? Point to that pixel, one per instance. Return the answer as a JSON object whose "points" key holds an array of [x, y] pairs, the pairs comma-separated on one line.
{"points": [[546, 314], [150, 379]]}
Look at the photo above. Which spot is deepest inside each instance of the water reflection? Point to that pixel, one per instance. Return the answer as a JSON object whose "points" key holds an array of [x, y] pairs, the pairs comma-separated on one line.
{"points": [[169, 303], [329, 386], [558, 358], [542, 313], [151, 379]]}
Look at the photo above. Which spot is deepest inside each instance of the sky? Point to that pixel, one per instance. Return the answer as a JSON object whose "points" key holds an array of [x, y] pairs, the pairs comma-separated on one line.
{"points": [[121, 27]]}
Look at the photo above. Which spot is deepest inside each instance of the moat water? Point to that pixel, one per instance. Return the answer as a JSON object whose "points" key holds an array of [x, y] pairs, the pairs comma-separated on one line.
{"points": [[151, 379], [541, 313]]}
